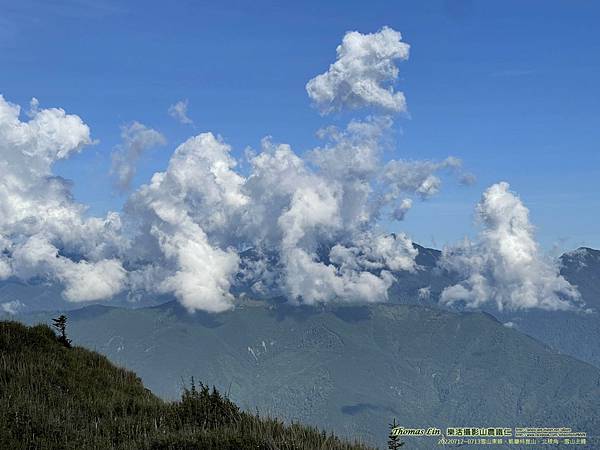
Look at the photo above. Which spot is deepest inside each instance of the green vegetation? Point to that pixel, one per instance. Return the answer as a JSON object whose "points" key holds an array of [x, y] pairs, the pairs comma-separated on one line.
{"points": [[56, 397]]}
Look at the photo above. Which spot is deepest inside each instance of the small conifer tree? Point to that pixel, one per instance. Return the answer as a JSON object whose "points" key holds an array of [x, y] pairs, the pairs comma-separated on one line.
{"points": [[60, 323], [394, 442]]}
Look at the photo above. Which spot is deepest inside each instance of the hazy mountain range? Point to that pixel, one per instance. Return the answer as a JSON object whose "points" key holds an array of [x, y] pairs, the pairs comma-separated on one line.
{"points": [[572, 332], [354, 368]]}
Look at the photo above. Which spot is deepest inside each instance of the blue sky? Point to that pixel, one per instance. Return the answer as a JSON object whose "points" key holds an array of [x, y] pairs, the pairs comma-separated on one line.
{"points": [[511, 88]]}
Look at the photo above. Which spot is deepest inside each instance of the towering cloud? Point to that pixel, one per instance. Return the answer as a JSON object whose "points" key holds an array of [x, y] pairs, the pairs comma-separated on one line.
{"points": [[310, 240], [306, 228], [362, 73], [322, 223], [504, 266], [39, 222], [185, 213]]}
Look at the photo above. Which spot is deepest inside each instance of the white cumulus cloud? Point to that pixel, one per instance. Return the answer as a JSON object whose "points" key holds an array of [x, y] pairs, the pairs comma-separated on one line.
{"points": [[309, 228], [184, 214], [37, 214], [504, 266], [362, 73]]}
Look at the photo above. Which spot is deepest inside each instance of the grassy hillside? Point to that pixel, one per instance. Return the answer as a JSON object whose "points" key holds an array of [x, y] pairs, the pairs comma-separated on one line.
{"points": [[71, 398]]}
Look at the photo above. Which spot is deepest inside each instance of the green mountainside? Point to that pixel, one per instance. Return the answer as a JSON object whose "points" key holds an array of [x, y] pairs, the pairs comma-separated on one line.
{"points": [[352, 369], [54, 397]]}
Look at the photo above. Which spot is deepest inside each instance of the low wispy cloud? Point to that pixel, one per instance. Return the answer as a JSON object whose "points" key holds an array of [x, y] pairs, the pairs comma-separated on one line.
{"points": [[467, 179], [179, 112], [13, 307], [137, 138]]}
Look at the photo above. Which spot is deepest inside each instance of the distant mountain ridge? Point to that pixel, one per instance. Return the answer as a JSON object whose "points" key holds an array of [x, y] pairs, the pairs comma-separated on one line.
{"points": [[576, 333], [581, 268], [573, 333], [351, 368]]}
